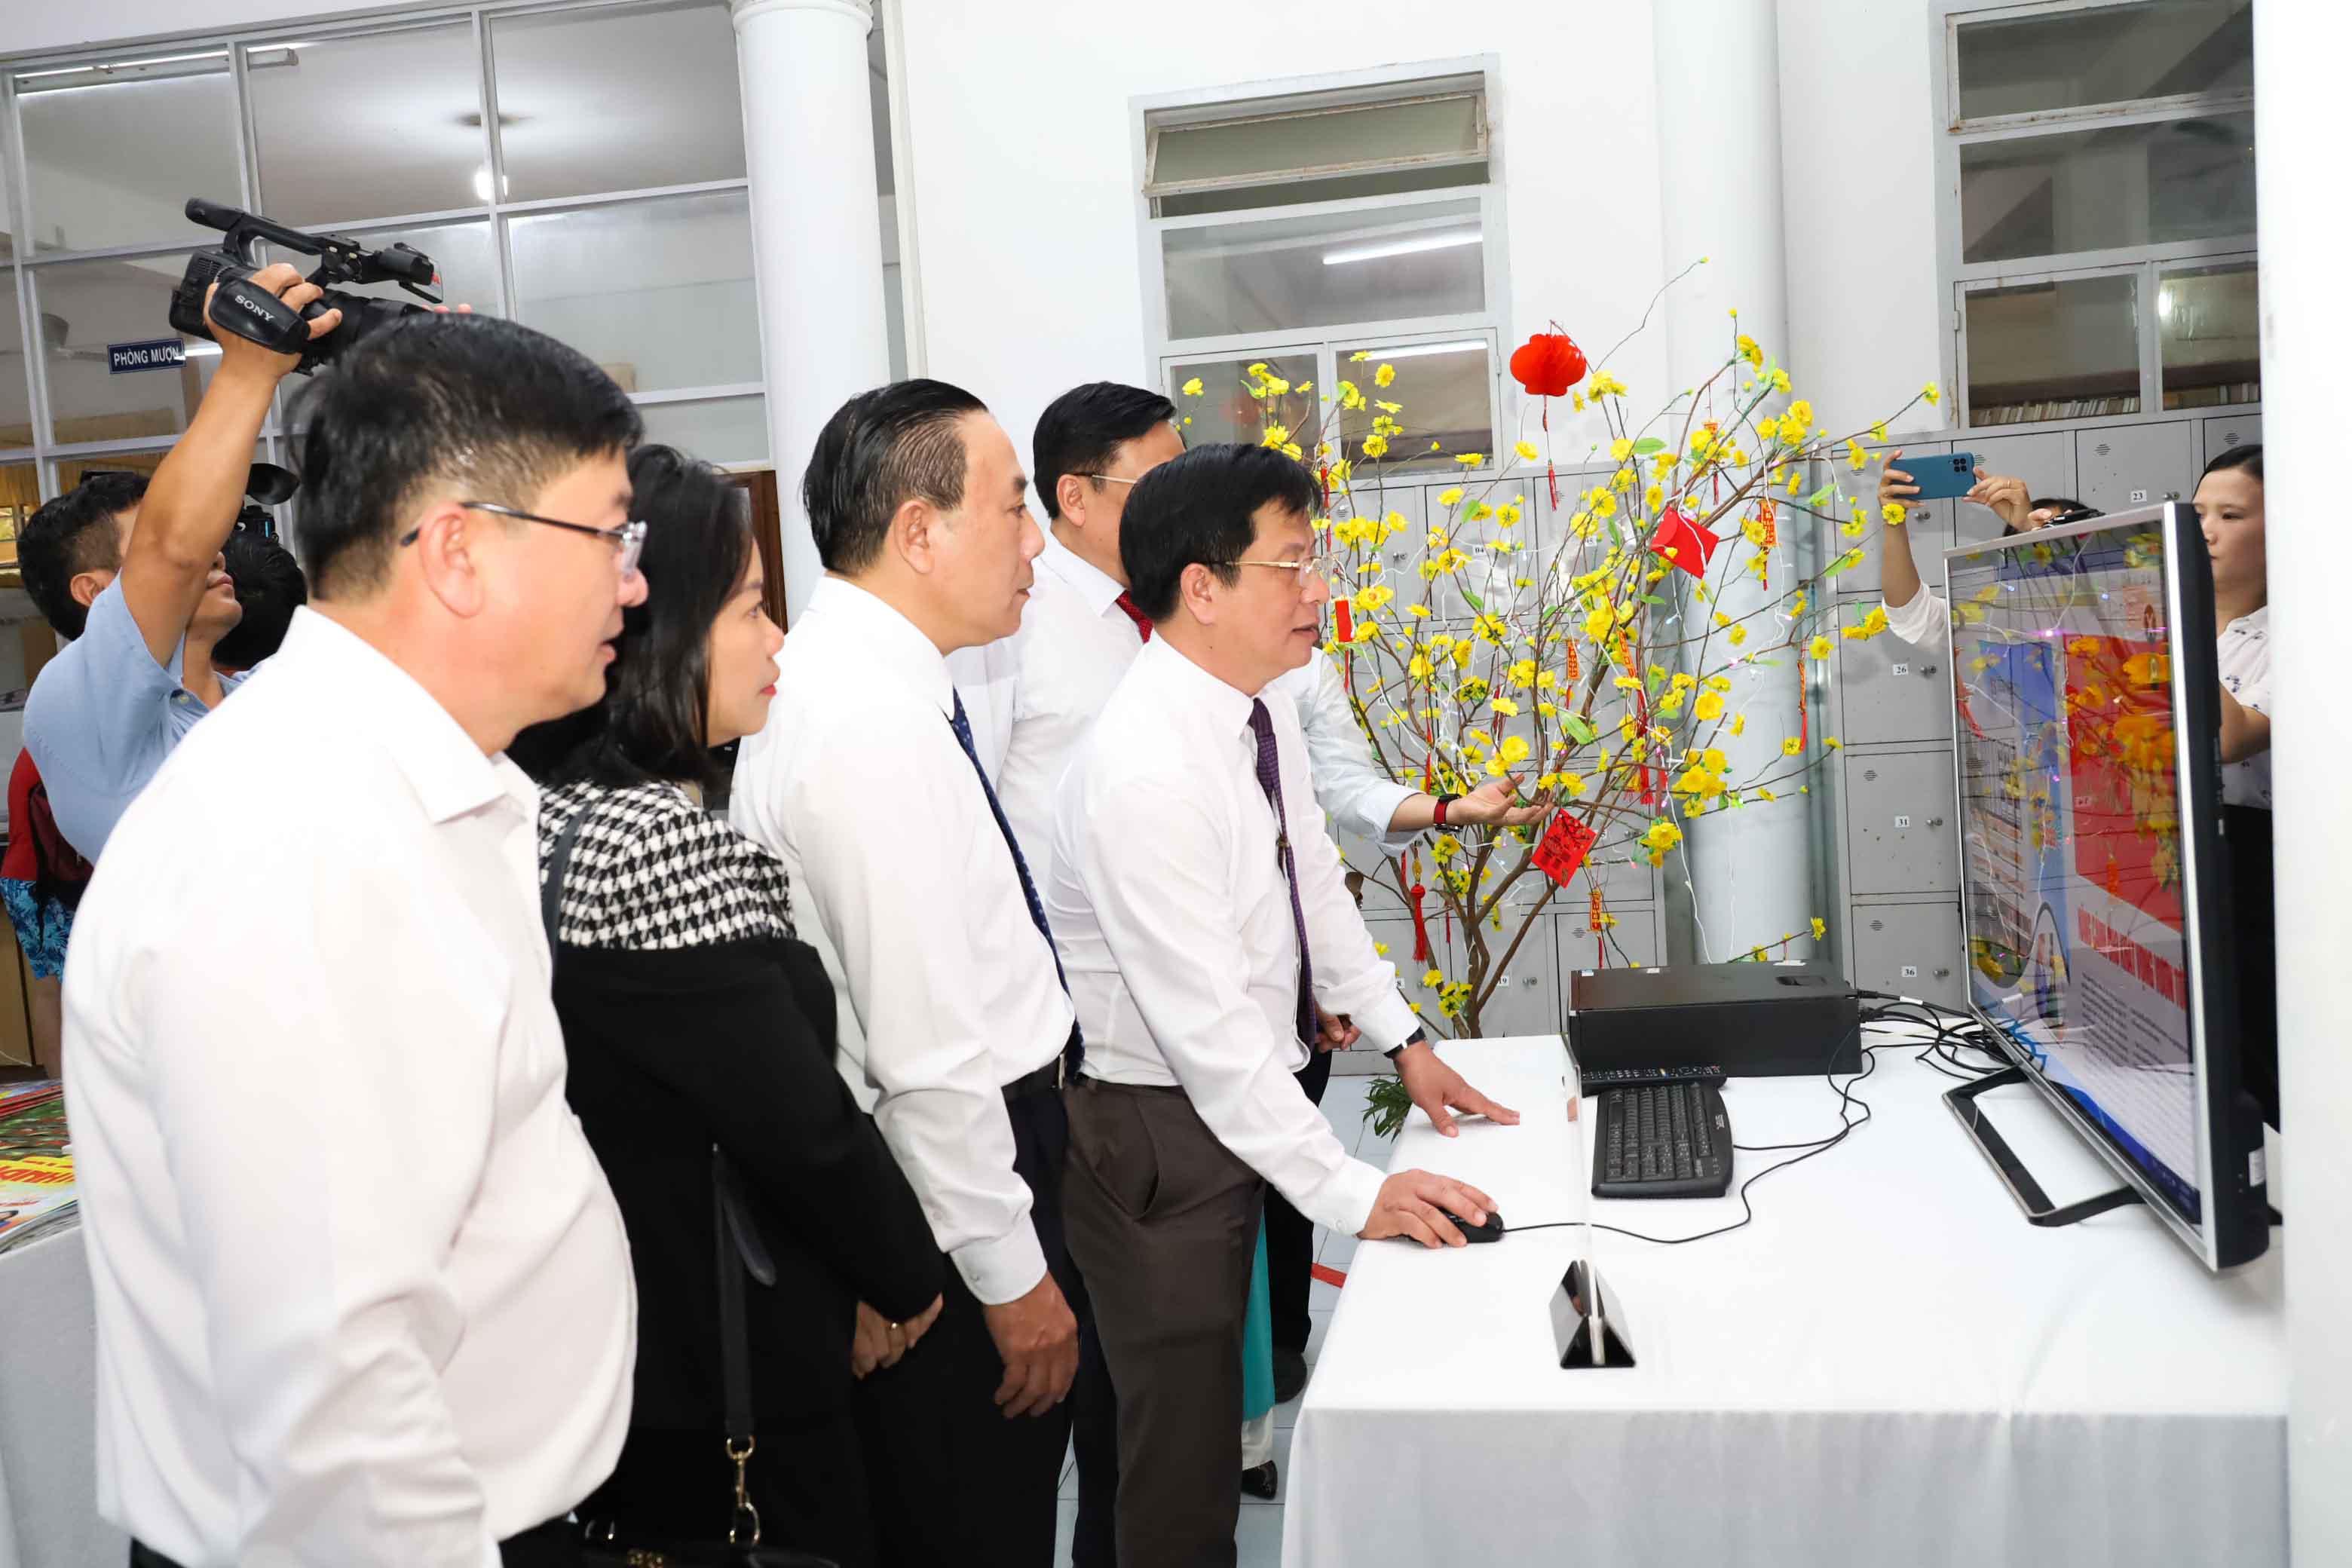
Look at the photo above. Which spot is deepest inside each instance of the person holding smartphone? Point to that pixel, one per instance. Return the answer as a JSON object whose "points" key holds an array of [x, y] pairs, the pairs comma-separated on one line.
{"points": [[1913, 614]]}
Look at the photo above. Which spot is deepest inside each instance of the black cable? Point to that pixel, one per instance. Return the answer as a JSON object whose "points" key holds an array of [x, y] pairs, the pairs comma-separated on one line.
{"points": [[1847, 1101], [1965, 1033]]}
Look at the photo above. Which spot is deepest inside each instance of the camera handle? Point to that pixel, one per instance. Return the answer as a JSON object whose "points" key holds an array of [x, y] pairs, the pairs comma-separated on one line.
{"points": [[242, 305]]}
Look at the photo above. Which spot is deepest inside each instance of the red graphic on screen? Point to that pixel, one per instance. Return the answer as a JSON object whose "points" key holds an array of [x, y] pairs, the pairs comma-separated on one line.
{"points": [[2119, 742]]}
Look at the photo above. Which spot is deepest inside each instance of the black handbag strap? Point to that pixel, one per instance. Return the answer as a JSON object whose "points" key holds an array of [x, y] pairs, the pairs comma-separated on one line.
{"points": [[741, 1250], [551, 885]]}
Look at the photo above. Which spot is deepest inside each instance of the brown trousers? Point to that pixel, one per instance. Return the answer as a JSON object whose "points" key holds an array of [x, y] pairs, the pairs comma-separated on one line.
{"points": [[1162, 1222]]}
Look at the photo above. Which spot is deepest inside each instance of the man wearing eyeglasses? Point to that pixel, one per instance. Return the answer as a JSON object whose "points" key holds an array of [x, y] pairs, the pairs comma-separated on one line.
{"points": [[362, 1293], [1204, 921], [1033, 697]]}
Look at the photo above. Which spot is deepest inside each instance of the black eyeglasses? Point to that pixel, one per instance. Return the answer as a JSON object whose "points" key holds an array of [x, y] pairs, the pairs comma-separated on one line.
{"points": [[628, 541]]}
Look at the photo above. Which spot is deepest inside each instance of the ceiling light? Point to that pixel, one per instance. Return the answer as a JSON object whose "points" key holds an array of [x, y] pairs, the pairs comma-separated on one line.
{"points": [[1415, 351], [482, 184], [1401, 247], [123, 65]]}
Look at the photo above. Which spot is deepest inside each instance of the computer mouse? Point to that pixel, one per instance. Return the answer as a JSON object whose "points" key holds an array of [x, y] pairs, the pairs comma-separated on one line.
{"points": [[1491, 1231]]}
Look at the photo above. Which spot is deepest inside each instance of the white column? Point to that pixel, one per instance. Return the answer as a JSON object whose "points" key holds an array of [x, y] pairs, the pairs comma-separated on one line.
{"points": [[1718, 83], [816, 233], [2305, 406]]}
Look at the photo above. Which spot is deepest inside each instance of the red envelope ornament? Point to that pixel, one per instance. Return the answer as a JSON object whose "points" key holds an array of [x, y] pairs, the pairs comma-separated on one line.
{"points": [[1691, 544], [1563, 848]]}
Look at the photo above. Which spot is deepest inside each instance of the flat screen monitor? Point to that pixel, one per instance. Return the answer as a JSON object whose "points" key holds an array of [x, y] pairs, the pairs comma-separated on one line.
{"points": [[2095, 892]]}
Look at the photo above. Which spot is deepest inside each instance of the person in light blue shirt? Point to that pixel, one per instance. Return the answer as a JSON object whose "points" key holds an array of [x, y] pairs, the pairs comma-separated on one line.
{"points": [[106, 711], [133, 574]]}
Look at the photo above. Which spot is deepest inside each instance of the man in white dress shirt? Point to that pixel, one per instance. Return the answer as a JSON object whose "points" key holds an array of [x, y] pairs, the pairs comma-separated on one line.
{"points": [[955, 1026], [1203, 918], [1040, 691], [363, 1296]]}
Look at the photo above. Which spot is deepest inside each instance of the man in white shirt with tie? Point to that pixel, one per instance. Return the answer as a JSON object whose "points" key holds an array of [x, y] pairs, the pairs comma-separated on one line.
{"points": [[956, 1029], [1203, 918], [362, 1294], [1035, 695]]}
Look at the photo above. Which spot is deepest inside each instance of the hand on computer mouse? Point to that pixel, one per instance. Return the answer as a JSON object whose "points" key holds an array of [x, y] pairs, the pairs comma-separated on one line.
{"points": [[1419, 1205], [1490, 1231]]}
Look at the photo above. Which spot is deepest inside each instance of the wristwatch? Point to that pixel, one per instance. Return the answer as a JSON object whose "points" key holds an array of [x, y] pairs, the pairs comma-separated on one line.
{"points": [[1443, 802], [1419, 1036]]}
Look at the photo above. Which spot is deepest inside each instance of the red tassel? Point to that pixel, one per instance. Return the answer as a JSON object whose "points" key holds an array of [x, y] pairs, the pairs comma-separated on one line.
{"points": [[1804, 713], [1552, 475], [1414, 893]]}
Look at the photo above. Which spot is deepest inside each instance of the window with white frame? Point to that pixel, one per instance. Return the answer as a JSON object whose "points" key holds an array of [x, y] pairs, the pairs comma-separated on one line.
{"points": [[579, 166], [1322, 223], [2101, 249]]}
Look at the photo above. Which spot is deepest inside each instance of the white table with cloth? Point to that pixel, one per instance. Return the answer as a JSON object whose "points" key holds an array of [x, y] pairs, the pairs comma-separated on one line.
{"points": [[48, 1410], [1889, 1367]]}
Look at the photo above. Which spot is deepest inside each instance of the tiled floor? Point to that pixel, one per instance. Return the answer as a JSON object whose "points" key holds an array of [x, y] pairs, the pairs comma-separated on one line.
{"points": [[1259, 1537]]}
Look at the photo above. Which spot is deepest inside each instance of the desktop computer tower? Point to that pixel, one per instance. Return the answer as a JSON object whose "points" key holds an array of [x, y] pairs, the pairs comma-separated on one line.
{"points": [[1753, 1020]]}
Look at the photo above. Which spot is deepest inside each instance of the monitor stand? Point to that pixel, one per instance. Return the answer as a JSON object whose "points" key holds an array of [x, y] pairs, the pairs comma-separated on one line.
{"points": [[2038, 1210]]}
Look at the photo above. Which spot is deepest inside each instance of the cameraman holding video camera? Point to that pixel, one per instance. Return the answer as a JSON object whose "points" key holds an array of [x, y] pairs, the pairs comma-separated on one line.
{"points": [[142, 574]]}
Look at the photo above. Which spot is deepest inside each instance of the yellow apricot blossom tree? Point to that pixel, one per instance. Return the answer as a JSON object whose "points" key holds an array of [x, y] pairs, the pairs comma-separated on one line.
{"points": [[1600, 669]]}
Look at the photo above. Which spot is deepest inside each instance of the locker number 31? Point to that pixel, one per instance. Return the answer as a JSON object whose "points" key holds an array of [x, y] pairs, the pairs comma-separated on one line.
{"points": [[1902, 821]]}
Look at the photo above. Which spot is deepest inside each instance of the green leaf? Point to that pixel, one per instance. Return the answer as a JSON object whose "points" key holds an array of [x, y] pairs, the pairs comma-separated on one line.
{"points": [[1850, 558], [1820, 500], [1579, 728], [1651, 599], [1647, 445], [1474, 601]]}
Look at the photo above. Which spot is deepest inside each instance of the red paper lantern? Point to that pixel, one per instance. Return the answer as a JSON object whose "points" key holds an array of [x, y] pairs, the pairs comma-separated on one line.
{"points": [[1548, 364]]}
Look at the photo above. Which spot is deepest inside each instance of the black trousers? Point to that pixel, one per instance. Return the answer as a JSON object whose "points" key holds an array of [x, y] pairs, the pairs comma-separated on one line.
{"points": [[1290, 1239], [953, 1480], [2254, 943]]}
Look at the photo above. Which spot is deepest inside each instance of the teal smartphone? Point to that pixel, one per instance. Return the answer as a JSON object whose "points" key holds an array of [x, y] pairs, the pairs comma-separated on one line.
{"points": [[1940, 475]]}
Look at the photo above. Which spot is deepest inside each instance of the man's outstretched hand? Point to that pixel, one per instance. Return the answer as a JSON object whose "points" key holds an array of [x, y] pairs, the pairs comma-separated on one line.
{"points": [[1440, 1091]]}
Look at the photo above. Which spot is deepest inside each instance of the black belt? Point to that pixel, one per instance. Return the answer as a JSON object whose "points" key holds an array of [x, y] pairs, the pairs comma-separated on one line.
{"points": [[1049, 1078]]}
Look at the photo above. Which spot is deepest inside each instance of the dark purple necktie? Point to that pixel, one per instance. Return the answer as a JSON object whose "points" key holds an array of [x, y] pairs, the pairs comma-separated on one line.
{"points": [[1269, 779]]}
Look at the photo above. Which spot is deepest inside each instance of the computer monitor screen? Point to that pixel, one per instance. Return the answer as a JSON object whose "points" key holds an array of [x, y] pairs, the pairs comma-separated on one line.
{"points": [[2086, 734]]}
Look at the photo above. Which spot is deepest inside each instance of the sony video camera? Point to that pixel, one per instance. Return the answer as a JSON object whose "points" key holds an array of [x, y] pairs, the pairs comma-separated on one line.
{"points": [[257, 314], [266, 485]]}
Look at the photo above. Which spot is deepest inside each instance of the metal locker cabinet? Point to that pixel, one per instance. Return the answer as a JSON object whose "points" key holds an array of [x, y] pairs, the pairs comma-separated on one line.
{"points": [[1929, 530], [2125, 465], [1893, 691], [2044, 461], [1527, 1002], [1633, 942], [2230, 430], [1900, 837], [1912, 950]]}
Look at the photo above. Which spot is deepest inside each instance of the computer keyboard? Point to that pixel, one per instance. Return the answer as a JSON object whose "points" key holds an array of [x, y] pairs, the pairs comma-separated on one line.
{"points": [[1661, 1140]]}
